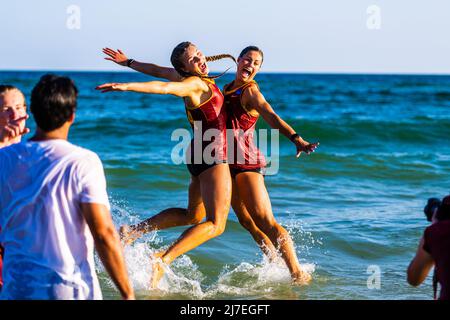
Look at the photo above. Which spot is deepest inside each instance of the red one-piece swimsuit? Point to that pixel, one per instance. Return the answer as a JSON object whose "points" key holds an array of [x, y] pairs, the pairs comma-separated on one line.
{"points": [[209, 123], [243, 155]]}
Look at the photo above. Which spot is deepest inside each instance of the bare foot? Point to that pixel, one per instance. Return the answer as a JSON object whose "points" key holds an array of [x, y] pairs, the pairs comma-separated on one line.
{"points": [[158, 269], [301, 278], [128, 234]]}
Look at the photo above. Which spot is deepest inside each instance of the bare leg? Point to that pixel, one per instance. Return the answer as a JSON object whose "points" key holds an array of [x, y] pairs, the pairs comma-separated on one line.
{"points": [[215, 186], [247, 222], [253, 193], [169, 218]]}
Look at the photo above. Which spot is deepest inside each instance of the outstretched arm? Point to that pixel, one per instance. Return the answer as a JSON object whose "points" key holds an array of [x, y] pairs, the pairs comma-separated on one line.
{"points": [[147, 68], [255, 100], [189, 87]]}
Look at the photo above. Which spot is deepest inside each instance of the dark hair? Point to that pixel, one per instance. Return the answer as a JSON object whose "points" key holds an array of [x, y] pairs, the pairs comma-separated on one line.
{"points": [[252, 48], [443, 212], [176, 58], [53, 101], [178, 64]]}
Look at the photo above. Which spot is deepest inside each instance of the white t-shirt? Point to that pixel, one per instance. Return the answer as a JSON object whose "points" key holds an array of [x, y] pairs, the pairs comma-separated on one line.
{"points": [[49, 249]]}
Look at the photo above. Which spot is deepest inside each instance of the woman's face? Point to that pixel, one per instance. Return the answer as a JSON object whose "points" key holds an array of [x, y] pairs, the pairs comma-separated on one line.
{"points": [[12, 106], [195, 61], [248, 66]]}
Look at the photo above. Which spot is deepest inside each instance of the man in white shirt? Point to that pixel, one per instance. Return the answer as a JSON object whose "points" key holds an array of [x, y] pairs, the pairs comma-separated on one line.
{"points": [[54, 208]]}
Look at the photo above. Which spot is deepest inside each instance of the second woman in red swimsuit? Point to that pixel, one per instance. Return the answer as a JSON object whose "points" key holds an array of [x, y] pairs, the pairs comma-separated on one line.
{"points": [[250, 199]]}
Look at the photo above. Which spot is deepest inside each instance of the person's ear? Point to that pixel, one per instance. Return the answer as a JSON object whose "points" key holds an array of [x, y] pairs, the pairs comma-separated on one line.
{"points": [[72, 118]]}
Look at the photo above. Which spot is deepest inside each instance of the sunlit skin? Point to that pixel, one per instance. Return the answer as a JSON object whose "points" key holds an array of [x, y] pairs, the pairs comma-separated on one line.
{"points": [[422, 263], [420, 266], [247, 68], [13, 115], [210, 192], [250, 199]]}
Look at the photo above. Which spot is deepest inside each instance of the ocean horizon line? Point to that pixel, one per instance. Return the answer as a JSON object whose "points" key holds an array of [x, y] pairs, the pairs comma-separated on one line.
{"points": [[218, 72]]}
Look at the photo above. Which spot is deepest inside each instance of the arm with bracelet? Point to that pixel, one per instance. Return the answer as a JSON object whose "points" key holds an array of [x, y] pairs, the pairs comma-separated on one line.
{"points": [[147, 68], [254, 99]]}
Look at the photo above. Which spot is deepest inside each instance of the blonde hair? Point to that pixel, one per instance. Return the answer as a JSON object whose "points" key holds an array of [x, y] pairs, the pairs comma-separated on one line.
{"points": [[4, 88]]}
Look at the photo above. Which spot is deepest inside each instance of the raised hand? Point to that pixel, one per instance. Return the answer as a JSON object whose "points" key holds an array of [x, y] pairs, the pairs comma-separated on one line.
{"points": [[304, 146], [112, 87], [116, 56], [12, 130]]}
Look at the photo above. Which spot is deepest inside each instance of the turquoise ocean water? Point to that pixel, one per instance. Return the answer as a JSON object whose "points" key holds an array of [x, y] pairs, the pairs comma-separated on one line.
{"points": [[354, 204]]}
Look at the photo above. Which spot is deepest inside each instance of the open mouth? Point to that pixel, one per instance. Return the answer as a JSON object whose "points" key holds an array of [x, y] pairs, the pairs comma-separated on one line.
{"points": [[203, 67], [246, 72]]}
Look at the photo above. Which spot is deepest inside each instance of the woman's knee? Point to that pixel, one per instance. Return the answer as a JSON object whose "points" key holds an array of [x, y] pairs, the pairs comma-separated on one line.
{"points": [[218, 228], [221, 227]]}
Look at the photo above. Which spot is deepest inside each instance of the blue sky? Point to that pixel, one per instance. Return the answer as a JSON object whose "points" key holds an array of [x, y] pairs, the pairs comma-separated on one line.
{"points": [[296, 35]]}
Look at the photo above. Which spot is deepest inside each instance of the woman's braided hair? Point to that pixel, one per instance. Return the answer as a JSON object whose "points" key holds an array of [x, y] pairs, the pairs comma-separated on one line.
{"points": [[221, 56], [177, 61]]}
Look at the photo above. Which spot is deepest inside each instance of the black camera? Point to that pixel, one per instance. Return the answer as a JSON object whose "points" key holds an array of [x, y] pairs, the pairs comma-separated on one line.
{"points": [[442, 208]]}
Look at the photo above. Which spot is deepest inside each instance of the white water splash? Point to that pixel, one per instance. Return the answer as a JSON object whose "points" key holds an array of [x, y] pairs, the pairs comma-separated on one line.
{"points": [[254, 279], [303, 239], [183, 277], [137, 258]]}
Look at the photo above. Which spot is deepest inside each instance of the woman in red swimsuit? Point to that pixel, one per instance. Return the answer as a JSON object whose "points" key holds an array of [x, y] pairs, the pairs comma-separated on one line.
{"points": [[250, 199], [210, 188]]}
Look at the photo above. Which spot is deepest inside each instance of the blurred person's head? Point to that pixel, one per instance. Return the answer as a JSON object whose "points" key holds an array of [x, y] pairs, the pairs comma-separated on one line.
{"points": [[437, 209], [12, 106], [443, 212], [53, 103]]}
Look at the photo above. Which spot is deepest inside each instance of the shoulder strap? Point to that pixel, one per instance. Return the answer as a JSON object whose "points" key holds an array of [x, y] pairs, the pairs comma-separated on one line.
{"points": [[240, 89], [253, 112], [248, 85]]}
